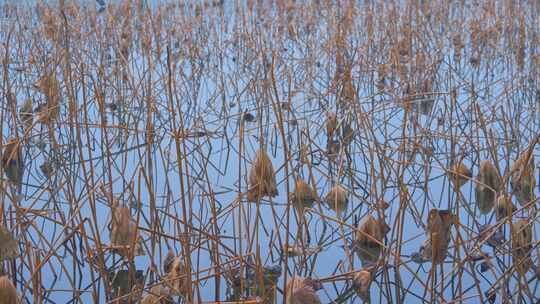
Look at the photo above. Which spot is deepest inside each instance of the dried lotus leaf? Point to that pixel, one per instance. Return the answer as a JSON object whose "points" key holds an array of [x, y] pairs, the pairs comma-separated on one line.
{"points": [[9, 248], [262, 178]]}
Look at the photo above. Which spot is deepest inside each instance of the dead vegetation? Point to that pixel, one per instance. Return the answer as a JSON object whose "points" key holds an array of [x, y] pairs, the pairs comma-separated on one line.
{"points": [[262, 179], [269, 151]]}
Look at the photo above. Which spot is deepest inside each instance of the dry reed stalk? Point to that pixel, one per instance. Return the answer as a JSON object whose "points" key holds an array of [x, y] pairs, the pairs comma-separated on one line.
{"points": [[522, 246], [457, 42], [262, 178], [337, 199], [302, 291], [489, 184], [520, 53], [37, 280]]}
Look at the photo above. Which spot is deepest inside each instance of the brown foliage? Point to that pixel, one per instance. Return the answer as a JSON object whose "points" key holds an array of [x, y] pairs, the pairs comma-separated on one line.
{"points": [[8, 245], [8, 293], [438, 228], [262, 179], [158, 295], [303, 196], [369, 239], [49, 86], [522, 246], [331, 124], [504, 207], [302, 291], [176, 275], [459, 174], [124, 232], [489, 184], [523, 180], [12, 161], [362, 283], [337, 199], [26, 114]]}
